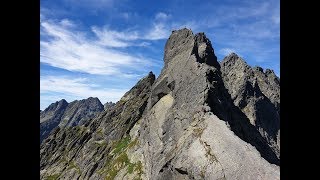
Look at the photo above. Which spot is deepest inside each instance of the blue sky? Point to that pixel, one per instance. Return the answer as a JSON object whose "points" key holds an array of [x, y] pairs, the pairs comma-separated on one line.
{"points": [[101, 48]]}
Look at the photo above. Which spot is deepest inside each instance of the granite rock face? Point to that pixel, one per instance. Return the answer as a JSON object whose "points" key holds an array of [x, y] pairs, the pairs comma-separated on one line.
{"points": [[64, 114], [186, 124], [257, 94]]}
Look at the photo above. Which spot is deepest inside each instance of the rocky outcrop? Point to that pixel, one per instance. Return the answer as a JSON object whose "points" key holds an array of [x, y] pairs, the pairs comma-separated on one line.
{"points": [[64, 114], [186, 124], [257, 94], [108, 105]]}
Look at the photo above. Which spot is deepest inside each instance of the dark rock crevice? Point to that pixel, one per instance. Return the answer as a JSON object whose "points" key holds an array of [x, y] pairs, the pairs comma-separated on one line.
{"points": [[221, 105], [163, 88], [181, 171]]}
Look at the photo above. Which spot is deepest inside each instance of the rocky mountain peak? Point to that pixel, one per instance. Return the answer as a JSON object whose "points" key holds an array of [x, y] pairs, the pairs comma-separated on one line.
{"points": [[269, 71], [257, 94], [233, 60], [54, 110], [178, 42], [197, 120], [64, 114], [92, 100], [188, 89], [108, 105], [56, 106], [78, 112], [258, 68], [184, 42], [204, 50]]}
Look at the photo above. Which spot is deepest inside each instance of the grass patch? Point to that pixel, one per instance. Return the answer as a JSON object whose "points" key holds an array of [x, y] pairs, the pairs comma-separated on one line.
{"points": [[99, 132], [118, 159], [100, 143], [72, 165], [120, 146], [198, 132], [81, 129], [133, 143], [138, 168], [121, 162], [130, 168], [63, 160], [53, 177]]}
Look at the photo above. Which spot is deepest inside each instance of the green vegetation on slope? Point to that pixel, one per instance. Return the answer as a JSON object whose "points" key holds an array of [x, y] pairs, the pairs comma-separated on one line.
{"points": [[118, 159]]}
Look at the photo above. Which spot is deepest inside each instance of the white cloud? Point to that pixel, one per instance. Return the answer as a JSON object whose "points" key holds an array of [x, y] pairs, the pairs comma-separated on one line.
{"points": [[158, 31], [161, 16], [69, 49], [69, 88], [160, 28], [144, 44], [111, 38], [226, 51], [67, 23]]}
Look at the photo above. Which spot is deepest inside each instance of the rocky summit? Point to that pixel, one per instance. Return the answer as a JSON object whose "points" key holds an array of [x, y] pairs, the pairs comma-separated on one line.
{"points": [[199, 119]]}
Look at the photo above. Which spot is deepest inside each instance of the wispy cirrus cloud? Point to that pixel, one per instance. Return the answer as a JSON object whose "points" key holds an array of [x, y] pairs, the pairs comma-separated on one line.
{"points": [[112, 38], [159, 29], [227, 51], [163, 25], [65, 47], [161, 16], [79, 87]]}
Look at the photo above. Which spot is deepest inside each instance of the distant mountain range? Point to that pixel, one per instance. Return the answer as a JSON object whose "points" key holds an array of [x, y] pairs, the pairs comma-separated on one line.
{"points": [[64, 114]]}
